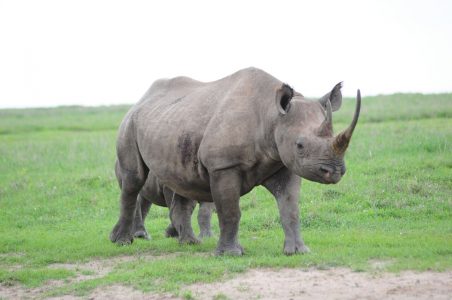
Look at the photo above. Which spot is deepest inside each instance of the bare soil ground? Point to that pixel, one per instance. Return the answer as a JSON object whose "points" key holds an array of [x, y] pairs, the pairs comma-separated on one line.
{"points": [[336, 283]]}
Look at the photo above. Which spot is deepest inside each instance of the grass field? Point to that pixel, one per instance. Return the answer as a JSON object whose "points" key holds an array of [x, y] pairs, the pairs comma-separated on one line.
{"points": [[59, 200]]}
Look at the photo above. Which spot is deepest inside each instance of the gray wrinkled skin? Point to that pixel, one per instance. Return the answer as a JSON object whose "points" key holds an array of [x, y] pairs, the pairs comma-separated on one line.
{"points": [[180, 226], [216, 141]]}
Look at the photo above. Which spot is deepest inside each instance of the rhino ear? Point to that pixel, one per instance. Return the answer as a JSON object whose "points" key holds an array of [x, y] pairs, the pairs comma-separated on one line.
{"points": [[283, 96], [335, 97]]}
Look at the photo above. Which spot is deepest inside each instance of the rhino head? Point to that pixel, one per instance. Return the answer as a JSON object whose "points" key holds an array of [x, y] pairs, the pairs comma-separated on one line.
{"points": [[304, 134]]}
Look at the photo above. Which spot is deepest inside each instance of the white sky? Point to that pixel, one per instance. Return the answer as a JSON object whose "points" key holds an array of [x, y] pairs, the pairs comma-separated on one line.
{"points": [[109, 52]]}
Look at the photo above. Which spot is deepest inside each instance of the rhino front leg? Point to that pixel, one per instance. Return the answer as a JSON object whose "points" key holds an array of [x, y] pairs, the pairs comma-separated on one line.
{"points": [[143, 206], [181, 210], [204, 217], [225, 187], [285, 186]]}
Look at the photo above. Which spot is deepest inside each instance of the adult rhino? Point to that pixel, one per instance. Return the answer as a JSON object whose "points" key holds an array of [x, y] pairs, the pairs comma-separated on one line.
{"points": [[216, 141]]}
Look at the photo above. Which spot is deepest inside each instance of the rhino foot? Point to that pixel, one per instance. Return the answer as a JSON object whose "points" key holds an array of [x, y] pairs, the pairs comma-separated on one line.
{"points": [[290, 249], [235, 250], [190, 240], [186, 235], [142, 234], [121, 236], [171, 231]]}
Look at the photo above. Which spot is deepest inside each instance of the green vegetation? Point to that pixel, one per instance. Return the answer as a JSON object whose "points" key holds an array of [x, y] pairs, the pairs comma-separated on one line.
{"points": [[59, 200]]}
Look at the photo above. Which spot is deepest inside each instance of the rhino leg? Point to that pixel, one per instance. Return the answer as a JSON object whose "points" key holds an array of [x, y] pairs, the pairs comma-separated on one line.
{"points": [[171, 231], [285, 186], [132, 175], [141, 212], [204, 217], [122, 232], [225, 187], [181, 210]]}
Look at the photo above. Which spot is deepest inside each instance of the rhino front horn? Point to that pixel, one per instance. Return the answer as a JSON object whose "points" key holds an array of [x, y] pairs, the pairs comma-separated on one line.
{"points": [[342, 140]]}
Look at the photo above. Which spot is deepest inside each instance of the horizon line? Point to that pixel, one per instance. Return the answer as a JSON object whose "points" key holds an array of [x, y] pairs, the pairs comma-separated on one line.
{"points": [[132, 103]]}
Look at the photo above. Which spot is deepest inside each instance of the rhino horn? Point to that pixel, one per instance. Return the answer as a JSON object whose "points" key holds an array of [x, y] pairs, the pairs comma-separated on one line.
{"points": [[342, 140]]}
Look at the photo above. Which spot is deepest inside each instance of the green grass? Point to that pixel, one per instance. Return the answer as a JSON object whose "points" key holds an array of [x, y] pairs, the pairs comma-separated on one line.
{"points": [[59, 200]]}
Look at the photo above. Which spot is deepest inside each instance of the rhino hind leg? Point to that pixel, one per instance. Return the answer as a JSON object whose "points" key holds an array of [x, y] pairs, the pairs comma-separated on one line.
{"points": [[171, 231], [143, 206], [181, 210], [131, 172], [204, 217], [122, 232]]}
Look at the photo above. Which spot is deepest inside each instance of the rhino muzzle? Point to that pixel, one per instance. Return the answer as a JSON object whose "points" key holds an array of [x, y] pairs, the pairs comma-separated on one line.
{"points": [[331, 174]]}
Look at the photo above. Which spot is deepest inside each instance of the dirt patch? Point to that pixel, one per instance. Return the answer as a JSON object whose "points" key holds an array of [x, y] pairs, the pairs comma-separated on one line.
{"points": [[335, 283], [100, 267], [117, 292], [84, 271]]}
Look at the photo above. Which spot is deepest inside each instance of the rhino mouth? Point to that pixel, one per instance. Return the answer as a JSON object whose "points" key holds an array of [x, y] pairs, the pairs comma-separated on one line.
{"points": [[324, 174]]}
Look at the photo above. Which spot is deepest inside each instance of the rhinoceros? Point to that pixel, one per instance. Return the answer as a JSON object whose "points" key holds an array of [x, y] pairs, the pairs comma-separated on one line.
{"points": [[215, 141], [153, 192]]}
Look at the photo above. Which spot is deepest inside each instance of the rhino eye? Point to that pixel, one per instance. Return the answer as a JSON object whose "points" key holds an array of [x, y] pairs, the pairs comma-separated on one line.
{"points": [[300, 146]]}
